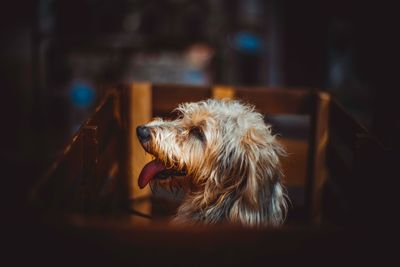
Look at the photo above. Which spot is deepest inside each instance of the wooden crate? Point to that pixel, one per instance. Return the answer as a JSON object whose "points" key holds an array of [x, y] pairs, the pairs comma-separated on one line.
{"points": [[97, 173]]}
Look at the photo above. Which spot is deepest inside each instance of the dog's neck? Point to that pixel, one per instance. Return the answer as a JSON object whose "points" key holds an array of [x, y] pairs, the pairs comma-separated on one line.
{"points": [[234, 208], [195, 209]]}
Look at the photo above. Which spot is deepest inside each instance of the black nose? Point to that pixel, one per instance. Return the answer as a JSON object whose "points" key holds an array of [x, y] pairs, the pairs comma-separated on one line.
{"points": [[143, 133]]}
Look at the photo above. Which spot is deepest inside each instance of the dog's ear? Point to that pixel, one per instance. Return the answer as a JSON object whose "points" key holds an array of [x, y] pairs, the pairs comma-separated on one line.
{"points": [[261, 193], [262, 153]]}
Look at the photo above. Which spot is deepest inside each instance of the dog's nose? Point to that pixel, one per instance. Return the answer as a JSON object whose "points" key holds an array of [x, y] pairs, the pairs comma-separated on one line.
{"points": [[143, 133]]}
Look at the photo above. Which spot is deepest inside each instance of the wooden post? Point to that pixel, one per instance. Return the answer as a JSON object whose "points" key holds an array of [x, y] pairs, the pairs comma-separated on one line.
{"points": [[139, 112], [223, 92], [319, 170], [90, 158]]}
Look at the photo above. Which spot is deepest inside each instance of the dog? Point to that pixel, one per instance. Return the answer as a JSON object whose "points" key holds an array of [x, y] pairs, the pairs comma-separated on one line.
{"points": [[228, 157]]}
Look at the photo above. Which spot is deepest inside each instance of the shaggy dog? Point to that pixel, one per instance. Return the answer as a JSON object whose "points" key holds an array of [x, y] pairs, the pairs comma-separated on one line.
{"points": [[228, 157]]}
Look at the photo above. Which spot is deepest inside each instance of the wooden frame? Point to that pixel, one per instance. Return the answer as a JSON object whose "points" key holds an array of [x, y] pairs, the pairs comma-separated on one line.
{"points": [[97, 169], [93, 179]]}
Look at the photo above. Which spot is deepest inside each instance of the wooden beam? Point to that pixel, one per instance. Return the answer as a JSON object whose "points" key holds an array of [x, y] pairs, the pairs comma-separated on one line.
{"points": [[90, 160], [276, 101], [321, 138], [139, 112], [165, 98], [223, 92]]}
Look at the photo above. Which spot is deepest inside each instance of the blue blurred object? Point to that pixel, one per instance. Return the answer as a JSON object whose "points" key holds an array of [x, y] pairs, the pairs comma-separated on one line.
{"points": [[82, 95], [248, 42], [196, 77]]}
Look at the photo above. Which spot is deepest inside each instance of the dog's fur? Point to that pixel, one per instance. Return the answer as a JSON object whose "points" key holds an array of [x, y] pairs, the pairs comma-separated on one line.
{"points": [[232, 161]]}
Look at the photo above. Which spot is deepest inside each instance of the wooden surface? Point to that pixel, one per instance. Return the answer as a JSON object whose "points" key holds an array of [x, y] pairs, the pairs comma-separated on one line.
{"points": [[140, 112], [223, 92], [295, 163], [276, 101], [321, 141], [165, 98], [90, 241]]}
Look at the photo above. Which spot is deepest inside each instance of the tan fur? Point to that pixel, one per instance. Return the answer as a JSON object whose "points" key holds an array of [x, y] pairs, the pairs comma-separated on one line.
{"points": [[232, 160]]}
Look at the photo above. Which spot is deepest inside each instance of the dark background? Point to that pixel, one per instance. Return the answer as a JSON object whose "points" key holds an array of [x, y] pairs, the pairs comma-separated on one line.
{"points": [[50, 49]]}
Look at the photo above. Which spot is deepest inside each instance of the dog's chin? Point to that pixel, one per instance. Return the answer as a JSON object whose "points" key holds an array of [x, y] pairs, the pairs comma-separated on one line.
{"points": [[174, 186]]}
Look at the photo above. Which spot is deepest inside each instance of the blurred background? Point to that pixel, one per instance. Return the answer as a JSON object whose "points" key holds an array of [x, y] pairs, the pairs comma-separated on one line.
{"points": [[55, 53]]}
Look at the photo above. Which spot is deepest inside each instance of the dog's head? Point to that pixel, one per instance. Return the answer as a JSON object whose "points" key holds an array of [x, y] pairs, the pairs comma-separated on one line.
{"points": [[228, 155]]}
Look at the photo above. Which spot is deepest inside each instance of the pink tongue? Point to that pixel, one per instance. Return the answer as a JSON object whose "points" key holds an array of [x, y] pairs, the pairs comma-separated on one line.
{"points": [[149, 171]]}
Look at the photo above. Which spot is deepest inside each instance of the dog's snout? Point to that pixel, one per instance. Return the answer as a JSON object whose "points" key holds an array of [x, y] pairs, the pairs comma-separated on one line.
{"points": [[143, 133]]}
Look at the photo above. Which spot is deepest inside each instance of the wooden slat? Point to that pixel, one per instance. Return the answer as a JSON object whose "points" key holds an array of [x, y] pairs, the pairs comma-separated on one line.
{"points": [[166, 98], [223, 92], [60, 187], [106, 160], [75, 193], [108, 177], [107, 122], [295, 164], [337, 164], [344, 125], [90, 155], [139, 112], [267, 100], [73, 180], [276, 101], [321, 142], [106, 119]]}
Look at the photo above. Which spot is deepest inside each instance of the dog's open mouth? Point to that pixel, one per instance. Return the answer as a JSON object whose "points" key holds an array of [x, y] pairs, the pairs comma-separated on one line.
{"points": [[155, 169]]}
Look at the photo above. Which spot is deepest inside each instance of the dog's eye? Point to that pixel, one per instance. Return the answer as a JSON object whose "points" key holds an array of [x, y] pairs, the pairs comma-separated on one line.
{"points": [[197, 133]]}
